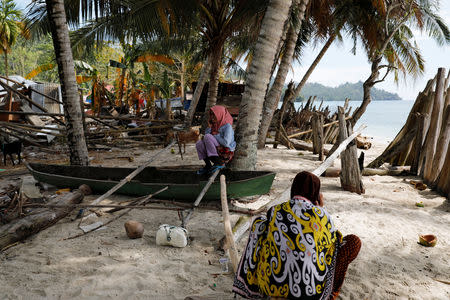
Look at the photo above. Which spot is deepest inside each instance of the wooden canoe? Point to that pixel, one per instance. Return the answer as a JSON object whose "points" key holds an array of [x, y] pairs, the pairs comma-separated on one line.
{"points": [[183, 184]]}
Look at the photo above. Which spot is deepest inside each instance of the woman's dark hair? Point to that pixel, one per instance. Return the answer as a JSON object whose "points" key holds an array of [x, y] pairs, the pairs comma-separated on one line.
{"points": [[307, 185]]}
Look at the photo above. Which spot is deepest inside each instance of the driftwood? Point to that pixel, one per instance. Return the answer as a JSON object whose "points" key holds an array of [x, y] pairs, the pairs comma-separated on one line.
{"points": [[350, 174], [335, 172], [226, 223], [40, 219]]}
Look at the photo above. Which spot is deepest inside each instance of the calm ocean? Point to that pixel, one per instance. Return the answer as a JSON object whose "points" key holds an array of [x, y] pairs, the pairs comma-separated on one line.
{"points": [[384, 119]]}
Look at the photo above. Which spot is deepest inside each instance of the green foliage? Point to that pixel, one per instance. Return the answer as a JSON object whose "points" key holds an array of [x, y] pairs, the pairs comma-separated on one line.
{"points": [[354, 91], [26, 55]]}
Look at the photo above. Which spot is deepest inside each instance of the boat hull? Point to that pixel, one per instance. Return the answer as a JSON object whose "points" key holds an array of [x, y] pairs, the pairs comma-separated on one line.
{"points": [[183, 184]]}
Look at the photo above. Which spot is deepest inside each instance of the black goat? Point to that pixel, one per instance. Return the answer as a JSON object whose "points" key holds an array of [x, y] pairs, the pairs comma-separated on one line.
{"points": [[10, 148]]}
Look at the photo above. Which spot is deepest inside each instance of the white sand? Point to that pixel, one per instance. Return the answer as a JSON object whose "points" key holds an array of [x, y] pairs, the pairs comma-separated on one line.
{"points": [[105, 264]]}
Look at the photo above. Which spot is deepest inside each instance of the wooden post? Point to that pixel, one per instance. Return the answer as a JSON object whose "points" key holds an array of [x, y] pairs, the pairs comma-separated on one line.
{"points": [[443, 181], [350, 174], [422, 120], [435, 127], [317, 128], [441, 147], [226, 223]]}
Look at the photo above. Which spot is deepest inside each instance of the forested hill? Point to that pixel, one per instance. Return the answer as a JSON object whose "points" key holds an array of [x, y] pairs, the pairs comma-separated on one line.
{"points": [[354, 91]]}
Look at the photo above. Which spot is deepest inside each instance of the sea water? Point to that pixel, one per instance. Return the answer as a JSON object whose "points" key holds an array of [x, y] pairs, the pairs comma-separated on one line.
{"points": [[384, 119]]}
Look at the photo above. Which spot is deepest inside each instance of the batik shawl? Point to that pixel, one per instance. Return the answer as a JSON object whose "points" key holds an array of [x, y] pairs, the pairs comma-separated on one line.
{"points": [[290, 253]]}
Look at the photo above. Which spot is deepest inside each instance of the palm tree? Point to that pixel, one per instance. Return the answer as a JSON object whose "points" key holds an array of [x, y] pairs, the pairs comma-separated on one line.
{"points": [[385, 35], [258, 77], [319, 23], [273, 96], [10, 28], [72, 109], [219, 20]]}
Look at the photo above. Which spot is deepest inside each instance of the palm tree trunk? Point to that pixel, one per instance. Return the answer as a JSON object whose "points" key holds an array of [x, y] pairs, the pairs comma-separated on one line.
{"points": [[198, 92], [182, 80], [367, 87], [273, 97], [267, 119], [259, 75], [216, 58], [6, 63], [72, 109], [316, 61]]}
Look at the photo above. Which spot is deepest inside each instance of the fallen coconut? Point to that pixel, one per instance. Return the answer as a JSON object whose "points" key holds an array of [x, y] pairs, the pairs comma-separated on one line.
{"points": [[428, 240], [134, 229], [85, 189]]}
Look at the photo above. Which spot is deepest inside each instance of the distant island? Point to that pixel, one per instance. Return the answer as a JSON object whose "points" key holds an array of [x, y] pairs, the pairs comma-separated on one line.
{"points": [[354, 91]]}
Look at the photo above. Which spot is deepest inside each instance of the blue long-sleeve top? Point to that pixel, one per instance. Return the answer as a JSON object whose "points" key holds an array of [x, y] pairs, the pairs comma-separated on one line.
{"points": [[225, 137]]}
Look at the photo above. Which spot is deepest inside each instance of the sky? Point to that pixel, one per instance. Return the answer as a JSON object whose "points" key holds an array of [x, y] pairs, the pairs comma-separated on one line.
{"points": [[339, 65]]}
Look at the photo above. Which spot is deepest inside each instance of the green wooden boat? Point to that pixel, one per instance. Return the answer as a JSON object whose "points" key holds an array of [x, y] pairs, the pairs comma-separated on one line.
{"points": [[183, 184]]}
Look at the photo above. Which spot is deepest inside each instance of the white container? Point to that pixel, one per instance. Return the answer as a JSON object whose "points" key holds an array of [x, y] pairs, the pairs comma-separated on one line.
{"points": [[168, 235]]}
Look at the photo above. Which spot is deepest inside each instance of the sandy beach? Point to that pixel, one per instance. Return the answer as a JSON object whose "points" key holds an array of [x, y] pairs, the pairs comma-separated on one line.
{"points": [[106, 264]]}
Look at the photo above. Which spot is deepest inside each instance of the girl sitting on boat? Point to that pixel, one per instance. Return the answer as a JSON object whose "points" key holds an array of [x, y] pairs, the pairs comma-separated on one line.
{"points": [[217, 146], [296, 252]]}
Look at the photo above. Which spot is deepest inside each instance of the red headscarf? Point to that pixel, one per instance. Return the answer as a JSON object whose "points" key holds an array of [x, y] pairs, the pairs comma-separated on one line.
{"points": [[307, 185], [222, 116]]}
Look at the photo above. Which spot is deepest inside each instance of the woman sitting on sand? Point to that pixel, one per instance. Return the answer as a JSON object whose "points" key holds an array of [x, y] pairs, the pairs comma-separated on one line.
{"points": [[217, 146], [296, 252]]}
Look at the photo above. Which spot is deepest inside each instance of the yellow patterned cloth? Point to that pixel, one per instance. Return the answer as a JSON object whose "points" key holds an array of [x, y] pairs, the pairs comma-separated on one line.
{"points": [[290, 253]]}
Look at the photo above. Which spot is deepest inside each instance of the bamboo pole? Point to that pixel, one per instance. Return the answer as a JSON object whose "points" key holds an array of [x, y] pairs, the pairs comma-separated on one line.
{"points": [[226, 223]]}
